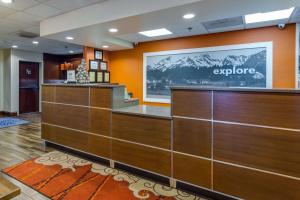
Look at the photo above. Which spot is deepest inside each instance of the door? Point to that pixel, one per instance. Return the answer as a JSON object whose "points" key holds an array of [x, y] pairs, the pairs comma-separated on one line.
{"points": [[28, 87]]}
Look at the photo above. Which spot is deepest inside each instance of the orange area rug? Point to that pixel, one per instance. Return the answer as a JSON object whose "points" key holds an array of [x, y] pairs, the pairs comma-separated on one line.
{"points": [[61, 176]]}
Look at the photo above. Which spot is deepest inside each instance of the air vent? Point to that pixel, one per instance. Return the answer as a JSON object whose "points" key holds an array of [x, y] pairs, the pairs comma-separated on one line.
{"points": [[25, 34], [223, 23]]}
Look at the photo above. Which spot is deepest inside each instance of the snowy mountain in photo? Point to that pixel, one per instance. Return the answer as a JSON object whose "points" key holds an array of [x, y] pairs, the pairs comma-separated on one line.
{"points": [[202, 61], [236, 68]]}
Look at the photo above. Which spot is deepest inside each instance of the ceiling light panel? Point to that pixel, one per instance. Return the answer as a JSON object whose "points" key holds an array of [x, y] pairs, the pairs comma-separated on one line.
{"points": [[156, 32], [268, 16]]}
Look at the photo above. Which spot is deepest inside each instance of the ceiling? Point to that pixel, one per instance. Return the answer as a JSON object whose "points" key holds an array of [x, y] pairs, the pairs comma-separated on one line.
{"points": [[95, 33], [26, 15], [89, 20]]}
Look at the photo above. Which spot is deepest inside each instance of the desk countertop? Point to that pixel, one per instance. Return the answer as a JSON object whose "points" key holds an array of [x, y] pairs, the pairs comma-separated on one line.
{"points": [[144, 110]]}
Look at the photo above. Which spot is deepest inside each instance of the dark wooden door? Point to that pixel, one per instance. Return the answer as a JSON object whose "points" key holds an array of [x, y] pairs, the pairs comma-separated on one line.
{"points": [[28, 87]]}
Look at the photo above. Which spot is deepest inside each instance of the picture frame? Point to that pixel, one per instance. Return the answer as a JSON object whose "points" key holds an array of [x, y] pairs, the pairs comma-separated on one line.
{"points": [[94, 65], [106, 77], [71, 76], [103, 66], [100, 77], [92, 75], [210, 67], [98, 54]]}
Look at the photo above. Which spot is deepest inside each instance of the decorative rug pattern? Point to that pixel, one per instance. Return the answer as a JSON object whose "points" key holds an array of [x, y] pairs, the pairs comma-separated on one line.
{"points": [[60, 176], [10, 121]]}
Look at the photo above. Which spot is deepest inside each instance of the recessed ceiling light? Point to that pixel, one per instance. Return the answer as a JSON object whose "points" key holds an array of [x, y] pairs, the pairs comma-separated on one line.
{"points": [[105, 46], [269, 16], [113, 30], [188, 16], [7, 1], [71, 51], [14, 46], [69, 38], [156, 32], [35, 42]]}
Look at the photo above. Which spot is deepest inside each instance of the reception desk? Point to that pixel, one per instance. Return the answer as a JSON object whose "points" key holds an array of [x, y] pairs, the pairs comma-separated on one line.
{"points": [[236, 143]]}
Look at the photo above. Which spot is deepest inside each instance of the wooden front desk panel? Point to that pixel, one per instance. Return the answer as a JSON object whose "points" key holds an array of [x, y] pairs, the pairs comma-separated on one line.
{"points": [[48, 93], [101, 97], [258, 108], [69, 120], [192, 136], [144, 157], [252, 184], [192, 170], [94, 144], [144, 130], [72, 95], [268, 149], [142, 141], [255, 141], [194, 104]]}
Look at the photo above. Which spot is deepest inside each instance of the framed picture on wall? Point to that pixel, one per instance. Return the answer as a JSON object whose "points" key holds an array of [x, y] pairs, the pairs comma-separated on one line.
{"points": [[98, 54], [92, 75], [106, 77], [242, 65], [99, 77], [94, 65], [103, 66]]}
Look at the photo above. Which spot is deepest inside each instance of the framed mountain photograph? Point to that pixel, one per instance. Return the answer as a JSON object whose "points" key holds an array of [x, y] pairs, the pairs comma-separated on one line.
{"points": [[245, 65]]}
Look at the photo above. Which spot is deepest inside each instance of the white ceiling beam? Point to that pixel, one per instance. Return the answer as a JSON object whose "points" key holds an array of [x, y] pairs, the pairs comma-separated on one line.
{"points": [[103, 12]]}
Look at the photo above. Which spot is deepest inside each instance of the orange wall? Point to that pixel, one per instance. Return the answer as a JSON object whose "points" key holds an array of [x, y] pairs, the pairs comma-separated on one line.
{"points": [[127, 65]]}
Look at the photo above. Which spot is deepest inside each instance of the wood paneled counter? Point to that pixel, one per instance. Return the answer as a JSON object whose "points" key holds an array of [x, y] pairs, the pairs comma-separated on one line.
{"points": [[79, 116], [248, 140], [242, 143]]}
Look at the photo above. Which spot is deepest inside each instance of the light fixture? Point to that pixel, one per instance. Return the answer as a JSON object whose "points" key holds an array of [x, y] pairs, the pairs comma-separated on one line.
{"points": [[156, 32], [35, 42], [14, 46], [71, 51], [113, 30], [7, 1], [269, 16], [105, 46], [69, 38], [188, 16]]}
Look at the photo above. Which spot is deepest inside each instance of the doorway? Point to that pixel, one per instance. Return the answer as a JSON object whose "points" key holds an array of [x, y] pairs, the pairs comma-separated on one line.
{"points": [[28, 87]]}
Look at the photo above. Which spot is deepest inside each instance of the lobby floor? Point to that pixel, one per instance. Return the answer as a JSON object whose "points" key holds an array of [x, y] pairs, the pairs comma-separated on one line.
{"points": [[20, 143]]}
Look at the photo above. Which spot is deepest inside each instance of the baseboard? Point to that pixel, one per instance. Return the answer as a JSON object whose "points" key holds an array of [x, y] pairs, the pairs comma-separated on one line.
{"points": [[207, 194], [10, 114]]}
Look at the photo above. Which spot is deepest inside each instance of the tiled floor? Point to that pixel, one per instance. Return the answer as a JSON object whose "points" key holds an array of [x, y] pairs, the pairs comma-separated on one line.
{"points": [[20, 143]]}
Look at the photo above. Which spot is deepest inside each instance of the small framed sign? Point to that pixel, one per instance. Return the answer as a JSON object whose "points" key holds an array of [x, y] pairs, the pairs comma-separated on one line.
{"points": [[92, 75], [103, 66], [94, 64], [71, 76], [106, 77], [99, 77], [98, 54]]}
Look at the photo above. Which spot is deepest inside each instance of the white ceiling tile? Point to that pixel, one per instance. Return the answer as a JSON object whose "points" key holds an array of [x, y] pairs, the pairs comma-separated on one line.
{"points": [[43, 11], [68, 5], [20, 4], [6, 11], [24, 17]]}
